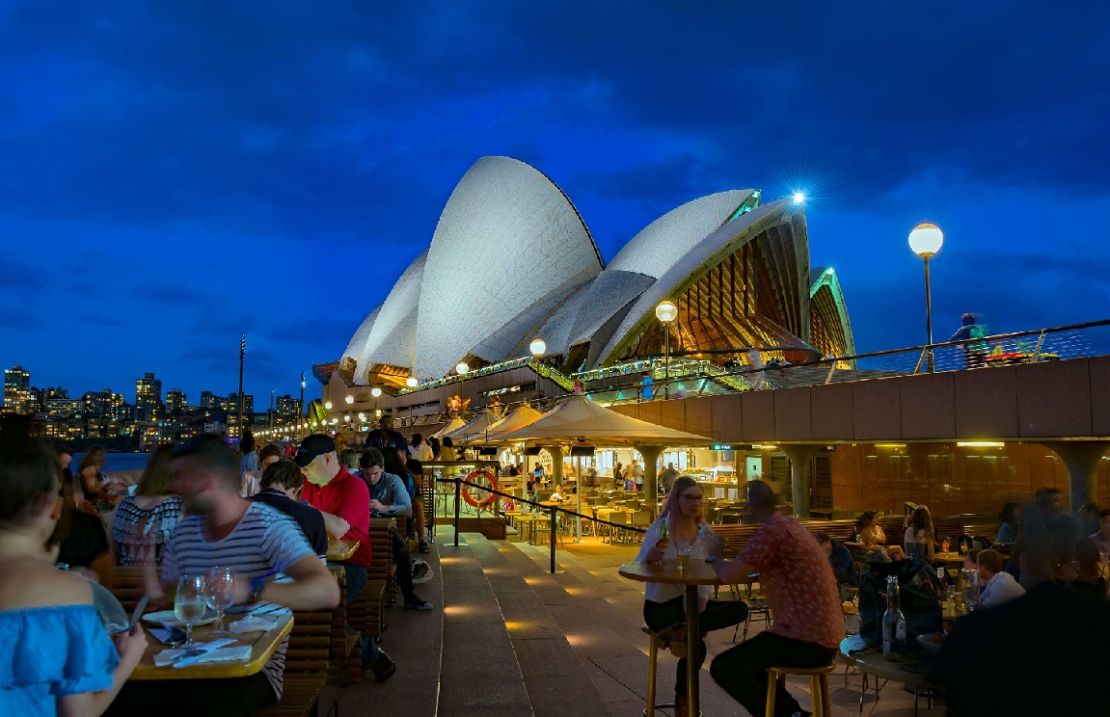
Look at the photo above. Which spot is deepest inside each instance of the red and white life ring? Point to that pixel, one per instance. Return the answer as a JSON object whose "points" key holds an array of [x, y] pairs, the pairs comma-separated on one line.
{"points": [[487, 476]]}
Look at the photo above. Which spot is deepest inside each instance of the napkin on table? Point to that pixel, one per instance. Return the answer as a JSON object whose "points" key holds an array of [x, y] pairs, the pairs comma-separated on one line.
{"points": [[214, 651]]}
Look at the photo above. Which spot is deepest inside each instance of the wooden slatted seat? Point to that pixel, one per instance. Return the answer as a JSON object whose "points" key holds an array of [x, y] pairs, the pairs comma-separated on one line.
{"points": [[307, 661], [382, 567]]}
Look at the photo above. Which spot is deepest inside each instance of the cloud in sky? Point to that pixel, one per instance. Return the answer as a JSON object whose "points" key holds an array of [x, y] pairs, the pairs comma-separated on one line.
{"points": [[189, 172]]}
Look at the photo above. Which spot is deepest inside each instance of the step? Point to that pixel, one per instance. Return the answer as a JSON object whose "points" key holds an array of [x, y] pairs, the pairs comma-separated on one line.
{"points": [[547, 660], [480, 674]]}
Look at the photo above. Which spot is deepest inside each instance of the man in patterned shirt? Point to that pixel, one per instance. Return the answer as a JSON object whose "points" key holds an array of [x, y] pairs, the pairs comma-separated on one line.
{"points": [[802, 596]]}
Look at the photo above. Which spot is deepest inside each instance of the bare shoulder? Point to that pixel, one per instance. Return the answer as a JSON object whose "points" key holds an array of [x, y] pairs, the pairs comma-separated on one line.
{"points": [[35, 584]]}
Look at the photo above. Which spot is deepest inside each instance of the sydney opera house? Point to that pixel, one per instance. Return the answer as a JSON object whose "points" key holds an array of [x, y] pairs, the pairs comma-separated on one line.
{"points": [[511, 260]]}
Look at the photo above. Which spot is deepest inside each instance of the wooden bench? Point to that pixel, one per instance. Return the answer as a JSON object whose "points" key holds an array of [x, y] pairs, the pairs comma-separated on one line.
{"points": [[381, 545], [307, 664]]}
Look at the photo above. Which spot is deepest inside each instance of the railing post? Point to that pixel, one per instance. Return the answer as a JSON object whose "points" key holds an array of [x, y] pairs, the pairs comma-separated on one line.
{"points": [[458, 498], [554, 528]]}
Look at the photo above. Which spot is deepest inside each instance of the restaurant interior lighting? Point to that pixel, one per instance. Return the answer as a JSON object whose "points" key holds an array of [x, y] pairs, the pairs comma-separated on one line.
{"points": [[890, 445], [375, 392], [980, 444], [412, 382], [538, 347]]}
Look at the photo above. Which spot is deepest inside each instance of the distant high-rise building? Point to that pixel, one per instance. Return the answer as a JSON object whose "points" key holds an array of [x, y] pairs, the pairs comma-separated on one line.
{"points": [[209, 400], [176, 402], [288, 406], [98, 403], [148, 398], [17, 391], [232, 404]]}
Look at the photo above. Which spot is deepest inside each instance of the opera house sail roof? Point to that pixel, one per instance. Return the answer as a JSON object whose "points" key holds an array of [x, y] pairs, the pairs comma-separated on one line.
{"points": [[511, 259]]}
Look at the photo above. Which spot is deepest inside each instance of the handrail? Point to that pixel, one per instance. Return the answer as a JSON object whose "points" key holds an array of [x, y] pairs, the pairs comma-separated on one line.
{"points": [[553, 509]]}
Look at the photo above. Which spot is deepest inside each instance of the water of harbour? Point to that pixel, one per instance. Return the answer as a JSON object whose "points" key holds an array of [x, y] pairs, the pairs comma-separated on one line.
{"points": [[116, 461]]}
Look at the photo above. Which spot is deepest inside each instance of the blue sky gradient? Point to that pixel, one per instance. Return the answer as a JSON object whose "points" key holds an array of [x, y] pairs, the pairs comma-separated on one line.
{"points": [[175, 174]]}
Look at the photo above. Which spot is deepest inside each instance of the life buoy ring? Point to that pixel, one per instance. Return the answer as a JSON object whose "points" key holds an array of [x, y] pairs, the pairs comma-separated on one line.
{"points": [[472, 477]]}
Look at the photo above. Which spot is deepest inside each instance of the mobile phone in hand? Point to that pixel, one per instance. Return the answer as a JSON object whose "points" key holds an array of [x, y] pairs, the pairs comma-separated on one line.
{"points": [[138, 614]]}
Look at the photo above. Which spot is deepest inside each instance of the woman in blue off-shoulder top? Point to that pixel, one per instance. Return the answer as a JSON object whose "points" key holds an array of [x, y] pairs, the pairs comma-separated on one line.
{"points": [[57, 658]]}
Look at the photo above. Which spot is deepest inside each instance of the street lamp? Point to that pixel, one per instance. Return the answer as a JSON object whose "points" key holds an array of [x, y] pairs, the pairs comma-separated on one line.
{"points": [[461, 368], [538, 347], [300, 406], [926, 239], [666, 312], [327, 405], [349, 399], [412, 382], [375, 392]]}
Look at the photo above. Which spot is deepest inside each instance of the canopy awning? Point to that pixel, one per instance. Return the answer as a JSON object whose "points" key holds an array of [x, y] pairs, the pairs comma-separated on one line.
{"points": [[579, 420], [475, 430], [521, 416], [453, 425]]}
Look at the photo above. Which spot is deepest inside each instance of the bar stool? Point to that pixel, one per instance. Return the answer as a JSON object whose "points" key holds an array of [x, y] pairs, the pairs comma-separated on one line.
{"points": [[653, 662], [818, 686]]}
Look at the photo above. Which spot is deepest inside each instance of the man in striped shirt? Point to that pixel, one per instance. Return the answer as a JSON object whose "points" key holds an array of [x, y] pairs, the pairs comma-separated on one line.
{"points": [[254, 541]]}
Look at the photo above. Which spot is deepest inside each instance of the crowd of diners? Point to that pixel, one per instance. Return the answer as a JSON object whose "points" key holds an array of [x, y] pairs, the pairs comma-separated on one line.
{"points": [[267, 512], [1034, 642]]}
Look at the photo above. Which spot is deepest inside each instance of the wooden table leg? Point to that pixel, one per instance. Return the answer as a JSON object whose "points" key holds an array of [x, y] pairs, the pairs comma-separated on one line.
{"points": [[693, 638]]}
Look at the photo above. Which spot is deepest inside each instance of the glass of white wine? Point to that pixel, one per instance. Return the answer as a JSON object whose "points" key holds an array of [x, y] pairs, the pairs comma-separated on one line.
{"points": [[189, 605]]}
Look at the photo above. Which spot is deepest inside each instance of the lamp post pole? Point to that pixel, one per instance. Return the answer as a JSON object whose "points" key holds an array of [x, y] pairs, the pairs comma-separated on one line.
{"points": [[666, 312], [926, 239], [242, 353], [300, 409]]}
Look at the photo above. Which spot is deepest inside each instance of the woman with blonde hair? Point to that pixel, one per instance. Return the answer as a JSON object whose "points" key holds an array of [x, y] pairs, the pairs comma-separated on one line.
{"points": [[682, 530]]}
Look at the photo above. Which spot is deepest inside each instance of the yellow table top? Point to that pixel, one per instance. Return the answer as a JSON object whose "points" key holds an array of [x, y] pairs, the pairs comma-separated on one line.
{"points": [[263, 645], [340, 550]]}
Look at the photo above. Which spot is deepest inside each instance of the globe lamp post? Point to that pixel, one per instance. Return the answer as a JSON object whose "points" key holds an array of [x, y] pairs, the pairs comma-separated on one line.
{"points": [[926, 239], [666, 312], [538, 347]]}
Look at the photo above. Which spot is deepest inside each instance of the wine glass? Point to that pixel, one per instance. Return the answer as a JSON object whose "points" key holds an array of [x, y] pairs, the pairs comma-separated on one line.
{"points": [[221, 594], [189, 605]]}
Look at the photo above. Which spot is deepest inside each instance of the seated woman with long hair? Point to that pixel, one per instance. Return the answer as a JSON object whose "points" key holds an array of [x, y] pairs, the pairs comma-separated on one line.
{"points": [[58, 657], [142, 523], [920, 538], [663, 604]]}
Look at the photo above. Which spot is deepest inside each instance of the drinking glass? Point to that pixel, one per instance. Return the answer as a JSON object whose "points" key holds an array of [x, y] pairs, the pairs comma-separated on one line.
{"points": [[189, 605], [945, 545], [221, 594], [682, 556]]}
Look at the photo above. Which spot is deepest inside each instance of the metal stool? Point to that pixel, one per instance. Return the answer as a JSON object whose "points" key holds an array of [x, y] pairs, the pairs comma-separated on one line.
{"points": [[818, 686], [653, 662]]}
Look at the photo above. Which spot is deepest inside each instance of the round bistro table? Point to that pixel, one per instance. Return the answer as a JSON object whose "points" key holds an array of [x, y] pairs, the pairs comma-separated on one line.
{"points": [[696, 573]]}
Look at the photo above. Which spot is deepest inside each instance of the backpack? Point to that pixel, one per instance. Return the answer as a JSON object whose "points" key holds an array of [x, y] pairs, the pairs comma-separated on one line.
{"points": [[919, 589]]}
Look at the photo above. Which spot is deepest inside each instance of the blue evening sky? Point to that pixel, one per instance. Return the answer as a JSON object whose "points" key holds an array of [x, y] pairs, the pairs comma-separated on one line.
{"points": [[175, 173]]}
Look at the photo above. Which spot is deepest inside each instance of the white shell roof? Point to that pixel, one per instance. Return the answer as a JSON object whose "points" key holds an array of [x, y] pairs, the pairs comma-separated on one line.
{"points": [[354, 346], [508, 238], [380, 345], [702, 252], [607, 295], [663, 242]]}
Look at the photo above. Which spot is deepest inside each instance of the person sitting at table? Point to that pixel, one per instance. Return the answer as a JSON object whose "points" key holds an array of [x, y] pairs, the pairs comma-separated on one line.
{"points": [[998, 586], [840, 560], [390, 499], [222, 529], [1102, 537], [1051, 636], [872, 537], [1007, 529], [920, 537], [344, 502], [58, 659], [1090, 580], [142, 523], [801, 594], [664, 611], [281, 489]]}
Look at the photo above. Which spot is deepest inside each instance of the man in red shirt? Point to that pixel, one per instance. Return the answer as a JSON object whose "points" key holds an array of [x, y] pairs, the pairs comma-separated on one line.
{"points": [[802, 595], [344, 501]]}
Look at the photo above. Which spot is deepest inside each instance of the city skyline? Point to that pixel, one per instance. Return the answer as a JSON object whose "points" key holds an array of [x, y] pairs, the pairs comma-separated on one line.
{"points": [[170, 187]]}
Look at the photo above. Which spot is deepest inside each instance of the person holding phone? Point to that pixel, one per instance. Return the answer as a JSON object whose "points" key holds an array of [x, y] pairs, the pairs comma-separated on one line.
{"points": [[60, 660]]}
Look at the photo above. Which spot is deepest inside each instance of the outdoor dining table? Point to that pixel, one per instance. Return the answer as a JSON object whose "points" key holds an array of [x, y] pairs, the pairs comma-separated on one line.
{"points": [[340, 550], [263, 645], [906, 669], [696, 572]]}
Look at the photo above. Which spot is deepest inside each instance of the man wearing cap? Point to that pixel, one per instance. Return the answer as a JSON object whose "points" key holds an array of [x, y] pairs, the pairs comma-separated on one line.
{"points": [[344, 501]]}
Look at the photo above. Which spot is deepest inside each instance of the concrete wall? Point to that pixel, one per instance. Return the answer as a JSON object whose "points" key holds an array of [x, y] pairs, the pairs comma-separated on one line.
{"points": [[1056, 399]]}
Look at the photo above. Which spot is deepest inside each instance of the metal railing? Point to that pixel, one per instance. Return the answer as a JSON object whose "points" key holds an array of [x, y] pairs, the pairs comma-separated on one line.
{"points": [[553, 511], [1029, 346]]}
